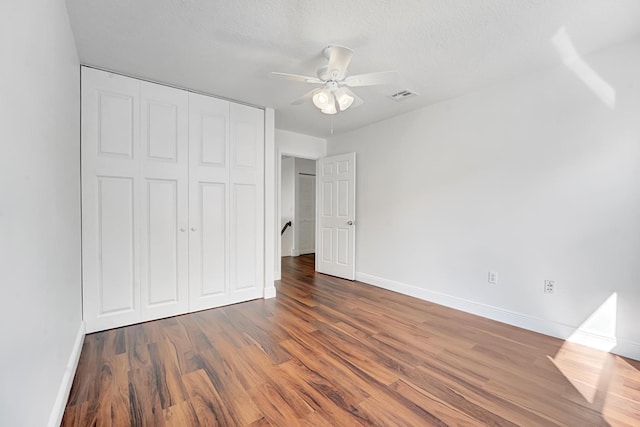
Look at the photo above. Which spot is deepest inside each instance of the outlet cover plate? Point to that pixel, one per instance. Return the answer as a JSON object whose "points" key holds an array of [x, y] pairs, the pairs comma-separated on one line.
{"points": [[549, 286], [493, 278]]}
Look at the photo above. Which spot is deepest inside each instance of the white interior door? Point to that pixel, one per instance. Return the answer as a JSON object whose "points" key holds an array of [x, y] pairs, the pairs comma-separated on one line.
{"points": [[164, 239], [208, 202], [110, 202], [336, 201]]}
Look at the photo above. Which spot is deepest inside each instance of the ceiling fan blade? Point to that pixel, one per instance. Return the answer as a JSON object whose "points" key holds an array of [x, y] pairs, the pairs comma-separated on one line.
{"points": [[357, 101], [296, 77], [339, 59], [371, 79], [305, 97]]}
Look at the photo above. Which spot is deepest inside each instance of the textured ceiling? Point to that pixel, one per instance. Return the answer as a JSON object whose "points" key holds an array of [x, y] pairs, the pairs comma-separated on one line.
{"points": [[441, 48]]}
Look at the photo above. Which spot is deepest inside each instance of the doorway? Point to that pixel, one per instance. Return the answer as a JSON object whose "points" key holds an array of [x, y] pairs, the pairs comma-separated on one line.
{"points": [[297, 206]]}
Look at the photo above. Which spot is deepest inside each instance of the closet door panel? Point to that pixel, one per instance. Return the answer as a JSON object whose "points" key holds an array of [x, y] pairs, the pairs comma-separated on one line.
{"points": [[212, 237], [162, 138], [164, 222], [110, 202], [116, 279], [115, 116], [246, 177], [161, 243], [245, 146], [208, 202], [213, 140], [245, 239]]}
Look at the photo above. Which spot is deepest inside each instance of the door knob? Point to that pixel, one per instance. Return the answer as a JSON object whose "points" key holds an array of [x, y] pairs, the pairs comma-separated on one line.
{"points": [[183, 229], [349, 222], [193, 229]]}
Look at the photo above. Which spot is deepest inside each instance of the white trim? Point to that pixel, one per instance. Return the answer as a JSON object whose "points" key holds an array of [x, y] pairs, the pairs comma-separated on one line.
{"points": [[67, 379], [277, 264], [590, 339], [270, 292], [279, 152], [270, 232], [543, 326], [627, 349]]}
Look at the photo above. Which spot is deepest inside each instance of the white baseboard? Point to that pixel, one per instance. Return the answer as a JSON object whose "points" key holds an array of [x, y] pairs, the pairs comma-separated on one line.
{"points": [[627, 349], [269, 292], [67, 380], [295, 252], [543, 326]]}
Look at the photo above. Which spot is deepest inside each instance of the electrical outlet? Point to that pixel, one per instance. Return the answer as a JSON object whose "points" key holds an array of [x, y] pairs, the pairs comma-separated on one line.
{"points": [[549, 286], [493, 278]]}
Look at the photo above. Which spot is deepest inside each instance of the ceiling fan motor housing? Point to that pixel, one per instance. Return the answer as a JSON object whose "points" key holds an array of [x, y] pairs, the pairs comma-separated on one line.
{"points": [[326, 75]]}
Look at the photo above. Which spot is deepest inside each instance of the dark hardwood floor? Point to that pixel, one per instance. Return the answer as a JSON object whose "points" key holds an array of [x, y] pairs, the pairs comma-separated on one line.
{"points": [[329, 352]]}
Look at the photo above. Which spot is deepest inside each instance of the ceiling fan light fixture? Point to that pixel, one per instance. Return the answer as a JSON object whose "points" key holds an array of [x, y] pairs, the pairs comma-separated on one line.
{"points": [[334, 95], [344, 99], [322, 99], [331, 108]]}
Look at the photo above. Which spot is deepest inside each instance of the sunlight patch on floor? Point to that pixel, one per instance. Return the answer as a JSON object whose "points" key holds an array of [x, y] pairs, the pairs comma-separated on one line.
{"points": [[584, 358], [585, 367]]}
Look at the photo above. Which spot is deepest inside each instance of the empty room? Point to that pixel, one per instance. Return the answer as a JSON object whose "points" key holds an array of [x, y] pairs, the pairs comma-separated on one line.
{"points": [[337, 213]]}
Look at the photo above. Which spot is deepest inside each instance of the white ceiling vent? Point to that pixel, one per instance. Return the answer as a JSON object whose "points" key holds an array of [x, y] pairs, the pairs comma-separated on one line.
{"points": [[402, 95]]}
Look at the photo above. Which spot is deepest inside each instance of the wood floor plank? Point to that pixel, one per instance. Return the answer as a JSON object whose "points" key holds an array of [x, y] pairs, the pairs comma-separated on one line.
{"points": [[180, 415], [206, 401], [438, 410], [331, 352], [224, 381], [113, 408], [167, 374], [144, 400]]}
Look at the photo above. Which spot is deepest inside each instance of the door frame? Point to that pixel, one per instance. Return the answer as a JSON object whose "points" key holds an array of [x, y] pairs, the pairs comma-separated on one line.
{"points": [[278, 211]]}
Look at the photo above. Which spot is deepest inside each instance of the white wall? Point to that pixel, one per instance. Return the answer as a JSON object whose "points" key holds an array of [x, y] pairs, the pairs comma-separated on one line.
{"points": [[299, 145], [39, 210], [287, 203], [535, 178]]}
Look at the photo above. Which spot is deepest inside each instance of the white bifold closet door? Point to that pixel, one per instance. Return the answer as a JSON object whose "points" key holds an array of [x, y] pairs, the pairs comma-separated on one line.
{"points": [[110, 200], [135, 200], [247, 203], [225, 202], [172, 199], [164, 196]]}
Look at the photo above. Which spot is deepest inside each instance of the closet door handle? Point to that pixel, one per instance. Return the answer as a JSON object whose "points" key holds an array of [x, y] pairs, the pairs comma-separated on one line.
{"points": [[193, 229], [183, 229]]}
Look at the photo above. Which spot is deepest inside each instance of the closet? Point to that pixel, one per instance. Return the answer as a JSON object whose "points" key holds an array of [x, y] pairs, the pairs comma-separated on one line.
{"points": [[172, 201]]}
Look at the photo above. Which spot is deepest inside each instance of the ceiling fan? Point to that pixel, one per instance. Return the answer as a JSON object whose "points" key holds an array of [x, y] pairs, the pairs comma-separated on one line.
{"points": [[334, 95]]}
